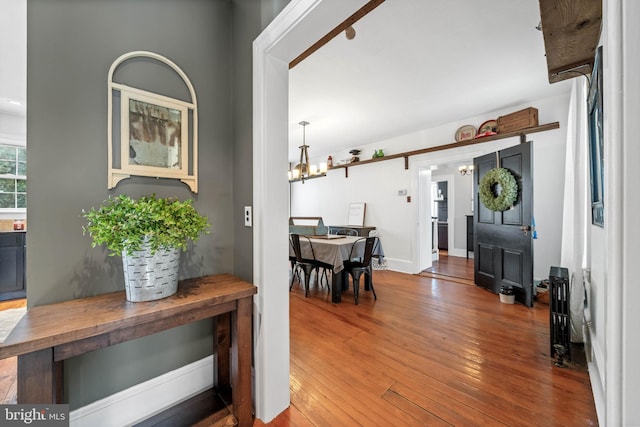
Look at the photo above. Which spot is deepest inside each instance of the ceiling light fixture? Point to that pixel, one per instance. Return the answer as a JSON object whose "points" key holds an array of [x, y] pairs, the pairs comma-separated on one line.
{"points": [[304, 170], [466, 170]]}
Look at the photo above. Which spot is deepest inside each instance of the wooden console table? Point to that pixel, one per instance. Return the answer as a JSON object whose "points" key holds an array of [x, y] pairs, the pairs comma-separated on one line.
{"points": [[49, 334]]}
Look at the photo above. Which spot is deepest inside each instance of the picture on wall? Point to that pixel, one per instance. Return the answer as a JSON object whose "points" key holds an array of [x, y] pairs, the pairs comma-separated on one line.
{"points": [[154, 135], [596, 141], [153, 139], [150, 134]]}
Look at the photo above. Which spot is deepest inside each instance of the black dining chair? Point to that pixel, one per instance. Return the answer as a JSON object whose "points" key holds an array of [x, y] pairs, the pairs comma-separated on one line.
{"points": [[294, 269], [307, 265], [356, 266]]}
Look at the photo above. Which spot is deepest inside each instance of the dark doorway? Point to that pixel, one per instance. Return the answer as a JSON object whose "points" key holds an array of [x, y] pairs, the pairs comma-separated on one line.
{"points": [[503, 254], [442, 211]]}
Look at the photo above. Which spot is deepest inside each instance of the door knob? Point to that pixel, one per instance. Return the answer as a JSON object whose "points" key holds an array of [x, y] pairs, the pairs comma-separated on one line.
{"points": [[525, 229]]}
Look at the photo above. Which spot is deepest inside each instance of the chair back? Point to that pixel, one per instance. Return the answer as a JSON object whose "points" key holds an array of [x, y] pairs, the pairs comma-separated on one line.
{"points": [[369, 246], [295, 242], [295, 256]]}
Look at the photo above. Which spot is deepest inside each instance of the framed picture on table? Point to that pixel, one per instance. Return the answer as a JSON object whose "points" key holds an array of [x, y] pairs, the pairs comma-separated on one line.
{"points": [[356, 214]]}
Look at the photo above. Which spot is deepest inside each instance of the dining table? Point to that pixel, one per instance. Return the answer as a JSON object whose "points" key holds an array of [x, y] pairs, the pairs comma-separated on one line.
{"points": [[334, 250]]}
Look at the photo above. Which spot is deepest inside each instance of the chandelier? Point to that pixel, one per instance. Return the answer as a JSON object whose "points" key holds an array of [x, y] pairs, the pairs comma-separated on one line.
{"points": [[304, 170], [465, 170]]}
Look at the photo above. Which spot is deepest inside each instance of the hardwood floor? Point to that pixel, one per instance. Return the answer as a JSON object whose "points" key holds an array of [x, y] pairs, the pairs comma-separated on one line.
{"points": [[429, 351], [8, 367], [451, 268]]}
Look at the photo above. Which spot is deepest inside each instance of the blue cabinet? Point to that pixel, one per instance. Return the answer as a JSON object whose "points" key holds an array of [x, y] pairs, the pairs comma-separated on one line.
{"points": [[12, 265]]}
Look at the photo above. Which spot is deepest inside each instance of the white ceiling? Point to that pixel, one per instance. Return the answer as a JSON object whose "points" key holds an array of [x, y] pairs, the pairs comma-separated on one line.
{"points": [[416, 64], [13, 57]]}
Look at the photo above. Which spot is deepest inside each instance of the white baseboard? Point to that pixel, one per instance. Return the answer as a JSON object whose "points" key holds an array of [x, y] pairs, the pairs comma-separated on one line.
{"points": [[595, 365], [598, 392], [457, 252], [399, 265], [144, 400], [598, 358]]}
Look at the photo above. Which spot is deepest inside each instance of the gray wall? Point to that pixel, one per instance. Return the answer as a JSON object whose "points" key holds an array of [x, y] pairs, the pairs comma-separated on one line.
{"points": [[248, 22], [71, 45]]}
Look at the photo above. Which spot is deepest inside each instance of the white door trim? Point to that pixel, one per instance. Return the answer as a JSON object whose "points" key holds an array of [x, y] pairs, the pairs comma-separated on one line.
{"points": [[300, 24]]}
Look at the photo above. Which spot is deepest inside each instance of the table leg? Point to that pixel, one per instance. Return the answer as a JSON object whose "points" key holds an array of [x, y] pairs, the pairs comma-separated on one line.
{"points": [[241, 362], [337, 286], [39, 377], [223, 344]]}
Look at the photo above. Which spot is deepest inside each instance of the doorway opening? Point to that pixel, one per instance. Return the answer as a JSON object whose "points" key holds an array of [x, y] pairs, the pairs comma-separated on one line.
{"points": [[454, 268], [449, 195]]}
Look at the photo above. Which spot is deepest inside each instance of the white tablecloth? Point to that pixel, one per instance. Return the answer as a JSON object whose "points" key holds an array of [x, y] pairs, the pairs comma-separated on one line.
{"points": [[335, 251]]}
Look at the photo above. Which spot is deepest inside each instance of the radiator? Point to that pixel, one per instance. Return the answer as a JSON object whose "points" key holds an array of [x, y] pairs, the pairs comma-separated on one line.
{"points": [[559, 311], [587, 326]]}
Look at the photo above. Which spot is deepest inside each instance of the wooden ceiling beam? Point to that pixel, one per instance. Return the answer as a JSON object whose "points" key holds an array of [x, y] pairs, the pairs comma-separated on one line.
{"points": [[571, 30], [364, 10]]}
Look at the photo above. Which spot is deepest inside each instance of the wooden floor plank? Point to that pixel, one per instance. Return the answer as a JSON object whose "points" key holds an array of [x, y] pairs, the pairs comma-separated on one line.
{"points": [[452, 266], [329, 375], [420, 415], [444, 402], [8, 383]]}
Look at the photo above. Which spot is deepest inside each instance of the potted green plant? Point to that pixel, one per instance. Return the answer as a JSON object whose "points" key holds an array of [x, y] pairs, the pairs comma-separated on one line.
{"points": [[149, 234]]}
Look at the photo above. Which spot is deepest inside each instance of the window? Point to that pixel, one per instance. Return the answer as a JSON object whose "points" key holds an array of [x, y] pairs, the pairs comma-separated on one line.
{"points": [[596, 141], [13, 177]]}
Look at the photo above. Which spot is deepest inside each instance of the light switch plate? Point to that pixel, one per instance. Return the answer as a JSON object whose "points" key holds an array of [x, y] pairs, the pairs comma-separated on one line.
{"points": [[247, 216]]}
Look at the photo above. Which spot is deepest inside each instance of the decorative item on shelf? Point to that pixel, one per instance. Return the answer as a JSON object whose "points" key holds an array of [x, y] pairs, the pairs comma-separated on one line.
{"points": [[488, 128], [149, 234], [355, 157], [303, 170], [350, 33], [329, 162], [522, 119], [508, 189], [465, 133], [377, 154], [465, 170], [507, 295]]}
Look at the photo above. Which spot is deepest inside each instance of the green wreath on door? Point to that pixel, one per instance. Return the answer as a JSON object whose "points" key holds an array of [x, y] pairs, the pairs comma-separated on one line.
{"points": [[508, 195]]}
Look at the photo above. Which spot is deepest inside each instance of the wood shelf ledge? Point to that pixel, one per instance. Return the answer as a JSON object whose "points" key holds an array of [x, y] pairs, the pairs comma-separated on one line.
{"points": [[520, 132]]}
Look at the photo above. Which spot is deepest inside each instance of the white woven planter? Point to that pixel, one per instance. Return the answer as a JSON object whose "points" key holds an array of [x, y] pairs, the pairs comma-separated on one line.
{"points": [[507, 299], [150, 277]]}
